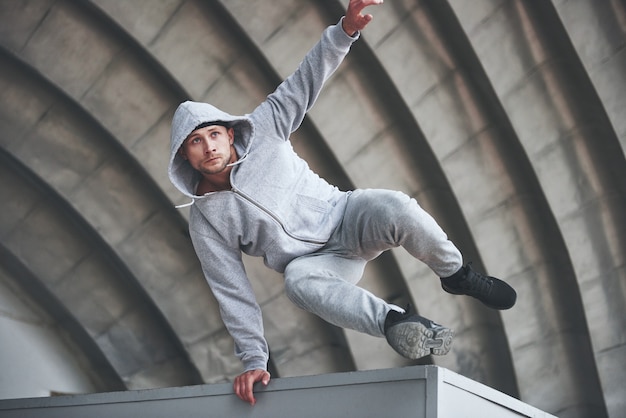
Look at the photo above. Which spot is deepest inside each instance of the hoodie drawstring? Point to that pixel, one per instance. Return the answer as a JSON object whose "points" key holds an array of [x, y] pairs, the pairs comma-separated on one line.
{"points": [[185, 205], [239, 161]]}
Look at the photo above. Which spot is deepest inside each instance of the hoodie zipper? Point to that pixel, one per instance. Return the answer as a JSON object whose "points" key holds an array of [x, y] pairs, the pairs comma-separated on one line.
{"points": [[273, 216]]}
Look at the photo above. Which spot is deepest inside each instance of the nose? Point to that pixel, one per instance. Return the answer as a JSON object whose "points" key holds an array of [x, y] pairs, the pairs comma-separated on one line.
{"points": [[208, 146]]}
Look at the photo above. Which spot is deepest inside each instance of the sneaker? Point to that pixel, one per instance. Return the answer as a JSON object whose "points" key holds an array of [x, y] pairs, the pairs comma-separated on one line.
{"points": [[493, 292], [413, 336]]}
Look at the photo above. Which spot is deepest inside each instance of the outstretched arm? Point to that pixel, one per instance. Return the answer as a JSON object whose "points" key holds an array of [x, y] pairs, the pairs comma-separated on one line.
{"points": [[283, 110], [354, 21]]}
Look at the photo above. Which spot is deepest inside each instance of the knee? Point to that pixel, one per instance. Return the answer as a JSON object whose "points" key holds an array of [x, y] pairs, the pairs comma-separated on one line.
{"points": [[391, 203], [402, 204]]}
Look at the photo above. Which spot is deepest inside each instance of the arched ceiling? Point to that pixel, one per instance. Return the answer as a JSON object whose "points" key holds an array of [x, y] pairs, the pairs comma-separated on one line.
{"points": [[502, 118]]}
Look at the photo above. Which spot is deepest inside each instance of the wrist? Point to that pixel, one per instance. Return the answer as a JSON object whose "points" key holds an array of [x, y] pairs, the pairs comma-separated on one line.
{"points": [[348, 30]]}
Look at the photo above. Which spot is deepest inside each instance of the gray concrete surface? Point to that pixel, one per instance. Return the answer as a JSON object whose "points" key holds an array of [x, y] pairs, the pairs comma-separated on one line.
{"points": [[415, 392], [504, 118]]}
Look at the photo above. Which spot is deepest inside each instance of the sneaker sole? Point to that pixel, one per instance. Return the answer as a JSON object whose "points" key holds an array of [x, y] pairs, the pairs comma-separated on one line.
{"points": [[479, 298], [414, 340]]}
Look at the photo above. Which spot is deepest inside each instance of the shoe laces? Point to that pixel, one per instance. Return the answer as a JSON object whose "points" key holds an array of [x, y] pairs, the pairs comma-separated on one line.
{"points": [[477, 282]]}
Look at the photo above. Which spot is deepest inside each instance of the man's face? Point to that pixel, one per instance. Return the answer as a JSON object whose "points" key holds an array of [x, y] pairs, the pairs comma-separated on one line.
{"points": [[209, 149]]}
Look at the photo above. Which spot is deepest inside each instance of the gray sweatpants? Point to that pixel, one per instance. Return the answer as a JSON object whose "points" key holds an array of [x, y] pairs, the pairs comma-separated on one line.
{"points": [[324, 282]]}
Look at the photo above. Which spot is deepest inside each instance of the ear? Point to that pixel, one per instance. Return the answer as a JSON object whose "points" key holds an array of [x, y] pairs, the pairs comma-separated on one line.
{"points": [[182, 153]]}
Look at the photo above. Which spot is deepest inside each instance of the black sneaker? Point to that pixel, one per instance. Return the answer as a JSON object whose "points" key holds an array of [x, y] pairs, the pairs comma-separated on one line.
{"points": [[413, 336], [492, 292]]}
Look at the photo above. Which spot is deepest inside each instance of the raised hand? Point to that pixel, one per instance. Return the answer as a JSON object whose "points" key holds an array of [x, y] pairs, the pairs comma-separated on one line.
{"points": [[354, 21]]}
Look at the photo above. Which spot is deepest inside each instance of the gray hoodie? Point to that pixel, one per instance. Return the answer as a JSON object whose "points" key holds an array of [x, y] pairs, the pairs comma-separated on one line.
{"points": [[277, 208]]}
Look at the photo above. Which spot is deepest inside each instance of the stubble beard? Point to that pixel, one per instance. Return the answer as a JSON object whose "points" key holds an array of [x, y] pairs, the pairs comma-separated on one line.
{"points": [[213, 169]]}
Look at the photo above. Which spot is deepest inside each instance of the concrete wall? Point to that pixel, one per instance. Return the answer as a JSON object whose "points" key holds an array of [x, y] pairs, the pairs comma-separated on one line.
{"points": [[35, 359], [503, 118], [415, 392]]}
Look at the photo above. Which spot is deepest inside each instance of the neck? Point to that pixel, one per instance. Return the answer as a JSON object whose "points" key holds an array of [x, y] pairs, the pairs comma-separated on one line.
{"points": [[214, 183]]}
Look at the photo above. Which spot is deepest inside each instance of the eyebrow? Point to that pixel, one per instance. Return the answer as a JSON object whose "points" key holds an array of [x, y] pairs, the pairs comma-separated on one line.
{"points": [[211, 128]]}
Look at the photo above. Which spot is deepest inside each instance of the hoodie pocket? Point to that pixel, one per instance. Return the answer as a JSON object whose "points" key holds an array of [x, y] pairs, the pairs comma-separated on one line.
{"points": [[309, 218], [308, 202]]}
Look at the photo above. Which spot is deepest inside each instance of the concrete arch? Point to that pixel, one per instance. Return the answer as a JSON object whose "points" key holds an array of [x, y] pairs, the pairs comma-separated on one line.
{"points": [[68, 261], [567, 135], [501, 118], [182, 273], [86, 168], [503, 193]]}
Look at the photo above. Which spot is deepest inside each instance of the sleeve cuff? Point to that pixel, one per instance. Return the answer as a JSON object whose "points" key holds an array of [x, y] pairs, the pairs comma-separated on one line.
{"points": [[339, 27], [255, 364]]}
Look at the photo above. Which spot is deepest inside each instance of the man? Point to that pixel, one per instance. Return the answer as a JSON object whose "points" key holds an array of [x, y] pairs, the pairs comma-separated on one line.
{"points": [[251, 193]]}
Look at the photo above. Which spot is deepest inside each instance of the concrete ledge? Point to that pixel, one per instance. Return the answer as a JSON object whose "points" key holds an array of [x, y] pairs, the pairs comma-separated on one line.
{"points": [[417, 391]]}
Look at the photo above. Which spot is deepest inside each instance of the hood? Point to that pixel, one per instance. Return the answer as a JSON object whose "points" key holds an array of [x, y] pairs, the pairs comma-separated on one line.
{"points": [[186, 118]]}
